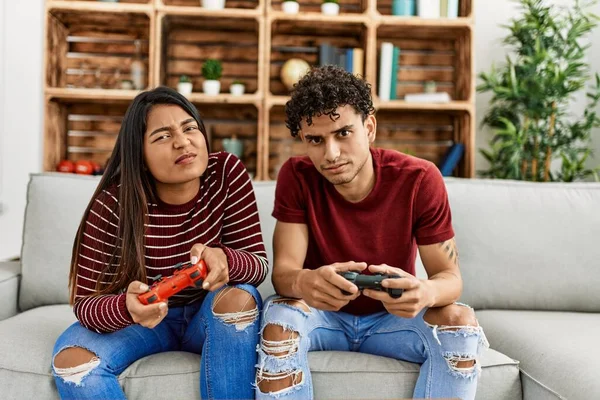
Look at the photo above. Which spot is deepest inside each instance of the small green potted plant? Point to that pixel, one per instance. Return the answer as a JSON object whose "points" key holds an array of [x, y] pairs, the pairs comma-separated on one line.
{"points": [[237, 88], [330, 7], [212, 71], [185, 85], [290, 6]]}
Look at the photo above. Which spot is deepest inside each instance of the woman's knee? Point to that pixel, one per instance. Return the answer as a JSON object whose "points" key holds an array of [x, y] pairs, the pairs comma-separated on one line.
{"points": [[74, 363], [235, 305]]}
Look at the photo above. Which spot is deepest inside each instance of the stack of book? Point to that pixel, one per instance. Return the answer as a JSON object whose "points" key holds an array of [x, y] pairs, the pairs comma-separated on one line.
{"points": [[351, 59], [389, 63], [426, 8]]}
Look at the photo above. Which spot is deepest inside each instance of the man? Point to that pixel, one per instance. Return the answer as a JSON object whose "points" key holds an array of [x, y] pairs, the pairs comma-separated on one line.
{"points": [[347, 207]]}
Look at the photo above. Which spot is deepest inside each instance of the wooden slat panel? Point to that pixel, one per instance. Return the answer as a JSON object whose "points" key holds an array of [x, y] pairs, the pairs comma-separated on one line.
{"points": [[56, 51], [230, 69], [98, 141]]}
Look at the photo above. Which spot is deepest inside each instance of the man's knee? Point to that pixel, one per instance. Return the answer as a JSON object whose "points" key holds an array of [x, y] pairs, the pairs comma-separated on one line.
{"points": [[74, 363], [280, 342], [235, 306], [451, 315]]}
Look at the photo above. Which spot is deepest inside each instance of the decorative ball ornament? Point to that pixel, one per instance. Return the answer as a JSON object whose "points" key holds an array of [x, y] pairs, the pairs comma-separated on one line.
{"points": [[292, 71]]}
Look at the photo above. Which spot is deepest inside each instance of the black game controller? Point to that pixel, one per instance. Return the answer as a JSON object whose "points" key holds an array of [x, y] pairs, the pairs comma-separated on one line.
{"points": [[372, 282]]}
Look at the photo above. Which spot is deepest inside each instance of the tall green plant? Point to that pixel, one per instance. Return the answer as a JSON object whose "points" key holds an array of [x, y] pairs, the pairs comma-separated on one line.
{"points": [[532, 92]]}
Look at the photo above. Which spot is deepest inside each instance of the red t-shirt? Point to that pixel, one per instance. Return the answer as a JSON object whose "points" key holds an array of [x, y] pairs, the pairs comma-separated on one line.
{"points": [[408, 206]]}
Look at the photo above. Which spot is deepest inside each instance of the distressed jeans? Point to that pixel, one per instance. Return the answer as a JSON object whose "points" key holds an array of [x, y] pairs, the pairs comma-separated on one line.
{"points": [[228, 351], [437, 348]]}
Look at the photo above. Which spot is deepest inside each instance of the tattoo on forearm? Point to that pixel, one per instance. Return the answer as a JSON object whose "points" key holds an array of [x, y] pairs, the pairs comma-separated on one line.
{"points": [[449, 247]]}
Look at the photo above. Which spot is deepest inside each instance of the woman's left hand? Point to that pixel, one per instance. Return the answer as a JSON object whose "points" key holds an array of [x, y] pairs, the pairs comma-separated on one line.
{"points": [[216, 262]]}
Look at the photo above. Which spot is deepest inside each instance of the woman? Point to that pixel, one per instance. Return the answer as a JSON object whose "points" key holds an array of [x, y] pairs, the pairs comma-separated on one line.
{"points": [[164, 200]]}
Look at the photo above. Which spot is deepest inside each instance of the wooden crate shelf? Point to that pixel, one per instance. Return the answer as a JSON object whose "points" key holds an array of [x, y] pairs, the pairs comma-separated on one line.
{"points": [[190, 41], [241, 121], [301, 39], [465, 8], [432, 54], [94, 50], [90, 47]]}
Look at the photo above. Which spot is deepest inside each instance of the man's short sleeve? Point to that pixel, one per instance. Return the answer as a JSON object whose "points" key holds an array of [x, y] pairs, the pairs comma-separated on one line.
{"points": [[290, 205], [433, 219]]}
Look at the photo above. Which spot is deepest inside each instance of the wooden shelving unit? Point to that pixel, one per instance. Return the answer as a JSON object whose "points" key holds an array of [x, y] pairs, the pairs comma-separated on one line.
{"points": [[90, 47]]}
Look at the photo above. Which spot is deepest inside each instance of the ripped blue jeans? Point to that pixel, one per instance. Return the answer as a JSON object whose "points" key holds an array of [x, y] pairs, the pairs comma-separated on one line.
{"points": [[437, 348], [193, 328]]}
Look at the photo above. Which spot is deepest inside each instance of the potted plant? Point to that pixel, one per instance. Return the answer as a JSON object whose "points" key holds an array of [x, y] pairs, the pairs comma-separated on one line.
{"points": [[330, 7], [185, 85], [535, 136], [237, 88], [213, 4], [290, 7], [211, 71]]}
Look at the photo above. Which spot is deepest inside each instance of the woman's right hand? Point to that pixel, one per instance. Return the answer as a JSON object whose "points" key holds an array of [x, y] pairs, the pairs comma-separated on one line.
{"points": [[146, 315]]}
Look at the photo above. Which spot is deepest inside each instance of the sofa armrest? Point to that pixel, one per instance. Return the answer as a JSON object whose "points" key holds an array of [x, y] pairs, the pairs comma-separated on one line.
{"points": [[10, 274]]}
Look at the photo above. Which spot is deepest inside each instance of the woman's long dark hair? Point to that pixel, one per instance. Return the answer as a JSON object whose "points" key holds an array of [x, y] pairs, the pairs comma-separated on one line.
{"points": [[125, 167]]}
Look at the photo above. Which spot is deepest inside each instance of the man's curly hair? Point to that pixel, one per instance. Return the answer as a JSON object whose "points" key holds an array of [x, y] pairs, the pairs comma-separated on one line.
{"points": [[321, 91]]}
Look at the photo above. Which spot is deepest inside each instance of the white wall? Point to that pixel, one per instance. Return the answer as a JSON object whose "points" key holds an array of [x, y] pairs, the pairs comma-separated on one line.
{"points": [[489, 49], [21, 99], [21, 23]]}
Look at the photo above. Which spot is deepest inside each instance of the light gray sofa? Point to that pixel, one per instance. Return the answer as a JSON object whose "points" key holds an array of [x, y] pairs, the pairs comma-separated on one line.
{"points": [[530, 258]]}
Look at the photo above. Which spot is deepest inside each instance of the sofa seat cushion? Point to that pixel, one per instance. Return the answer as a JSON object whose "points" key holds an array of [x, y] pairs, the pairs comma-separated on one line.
{"points": [[28, 339], [558, 351]]}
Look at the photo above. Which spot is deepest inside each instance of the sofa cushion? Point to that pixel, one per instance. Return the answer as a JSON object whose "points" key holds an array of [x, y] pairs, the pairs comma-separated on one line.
{"points": [[55, 205], [558, 351], [10, 273], [528, 245], [28, 339]]}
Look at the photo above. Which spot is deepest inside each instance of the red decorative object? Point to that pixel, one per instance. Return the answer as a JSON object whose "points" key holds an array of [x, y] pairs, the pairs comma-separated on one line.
{"points": [[84, 167], [66, 166]]}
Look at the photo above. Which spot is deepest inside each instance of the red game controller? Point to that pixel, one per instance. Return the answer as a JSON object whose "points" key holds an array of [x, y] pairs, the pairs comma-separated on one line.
{"points": [[186, 275]]}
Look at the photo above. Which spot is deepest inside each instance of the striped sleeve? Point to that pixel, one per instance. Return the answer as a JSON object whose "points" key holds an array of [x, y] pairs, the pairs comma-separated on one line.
{"points": [[100, 250], [241, 235]]}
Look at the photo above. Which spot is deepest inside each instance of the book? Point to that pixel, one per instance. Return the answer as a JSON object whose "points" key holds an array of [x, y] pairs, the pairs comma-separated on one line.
{"points": [[394, 73], [443, 8], [452, 9], [349, 60], [385, 70], [358, 62], [451, 159], [429, 8], [404, 7], [439, 97]]}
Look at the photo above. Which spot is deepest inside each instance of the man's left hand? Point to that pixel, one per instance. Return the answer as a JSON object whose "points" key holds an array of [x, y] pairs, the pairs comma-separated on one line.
{"points": [[416, 294]]}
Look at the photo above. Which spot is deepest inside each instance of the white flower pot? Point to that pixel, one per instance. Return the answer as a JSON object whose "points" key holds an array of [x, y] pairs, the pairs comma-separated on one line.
{"points": [[211, 87], [213, 4], [185, 88], [330, 8], [290, 7], [237, 89]]}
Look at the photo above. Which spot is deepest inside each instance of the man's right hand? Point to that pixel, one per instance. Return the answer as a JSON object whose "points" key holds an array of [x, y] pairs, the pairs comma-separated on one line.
{"points": [[146, 315], [323, 287]]}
